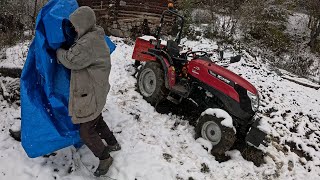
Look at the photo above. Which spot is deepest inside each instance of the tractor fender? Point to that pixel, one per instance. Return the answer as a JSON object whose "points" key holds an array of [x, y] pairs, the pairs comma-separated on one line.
{"points": [[165, 65], [167, 56], [231, 106]]}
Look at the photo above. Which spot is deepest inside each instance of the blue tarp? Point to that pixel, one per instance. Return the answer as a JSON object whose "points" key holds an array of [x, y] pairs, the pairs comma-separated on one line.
{"points": [[46, 126]]}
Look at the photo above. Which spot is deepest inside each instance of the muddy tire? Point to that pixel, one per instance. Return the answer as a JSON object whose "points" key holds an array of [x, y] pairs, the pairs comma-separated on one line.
{"points": [[151, 83], [210, 128]]}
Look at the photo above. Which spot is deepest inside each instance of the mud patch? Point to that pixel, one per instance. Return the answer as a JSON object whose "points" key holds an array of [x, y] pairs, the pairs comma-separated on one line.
{"points": [[254, 155], [167, 157], [186, 109], [249, 153], [297, 150], [204, 168], [222, 158]]}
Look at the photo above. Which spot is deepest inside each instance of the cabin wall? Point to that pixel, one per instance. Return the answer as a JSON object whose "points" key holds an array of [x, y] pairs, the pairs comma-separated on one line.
{"points": [[127, 18]]}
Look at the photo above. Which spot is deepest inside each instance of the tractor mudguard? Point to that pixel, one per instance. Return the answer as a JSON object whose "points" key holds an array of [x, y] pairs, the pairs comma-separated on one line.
{"points": [[169, 70], [255, 136]]}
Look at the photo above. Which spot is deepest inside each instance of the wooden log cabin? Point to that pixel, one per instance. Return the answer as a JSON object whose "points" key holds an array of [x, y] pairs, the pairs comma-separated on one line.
{"points": [[127, 18]]}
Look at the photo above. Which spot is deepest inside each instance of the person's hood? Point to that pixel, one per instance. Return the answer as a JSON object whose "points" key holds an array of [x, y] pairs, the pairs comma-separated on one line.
{"points": [[83, 20]]}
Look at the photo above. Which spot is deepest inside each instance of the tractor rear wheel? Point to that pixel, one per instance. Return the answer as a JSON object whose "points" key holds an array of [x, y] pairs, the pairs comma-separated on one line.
{"points": [[209, 127], [151, 83]]}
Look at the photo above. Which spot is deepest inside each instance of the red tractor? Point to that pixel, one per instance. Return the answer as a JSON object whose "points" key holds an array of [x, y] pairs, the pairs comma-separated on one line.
{"points": [[227, 102]]}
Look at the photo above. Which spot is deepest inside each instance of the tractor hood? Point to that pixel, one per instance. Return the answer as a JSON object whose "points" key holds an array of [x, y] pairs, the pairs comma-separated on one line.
{"points": [[222, 78], [229, 75]]}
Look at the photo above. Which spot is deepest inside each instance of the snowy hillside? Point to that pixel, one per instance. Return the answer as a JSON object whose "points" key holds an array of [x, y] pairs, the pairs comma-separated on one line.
{"points": [[162, 146]]}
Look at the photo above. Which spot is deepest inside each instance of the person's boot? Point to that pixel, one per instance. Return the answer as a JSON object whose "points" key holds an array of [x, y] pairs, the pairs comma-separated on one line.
{"points": [[115, 147], [103, 167], [16, 135]]}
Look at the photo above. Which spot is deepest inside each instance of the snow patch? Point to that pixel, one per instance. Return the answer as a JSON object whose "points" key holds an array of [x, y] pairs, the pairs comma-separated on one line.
{"points": [[205, 143], [15, 56], [264, 126], [302, 81], [148, 38], [297, 24]]}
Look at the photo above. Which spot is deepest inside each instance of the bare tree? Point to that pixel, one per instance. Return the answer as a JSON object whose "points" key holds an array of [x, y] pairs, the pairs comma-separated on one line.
{"points": [[224, 16], [313, 7], [16, 17], [35, 10]]}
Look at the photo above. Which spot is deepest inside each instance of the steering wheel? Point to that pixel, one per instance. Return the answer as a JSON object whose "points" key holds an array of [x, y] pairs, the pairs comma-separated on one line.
{"points": [[196, 54]]}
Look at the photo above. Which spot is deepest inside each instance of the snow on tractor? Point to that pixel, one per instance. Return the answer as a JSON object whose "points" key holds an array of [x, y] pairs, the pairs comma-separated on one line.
{"points": [[227, 101]]}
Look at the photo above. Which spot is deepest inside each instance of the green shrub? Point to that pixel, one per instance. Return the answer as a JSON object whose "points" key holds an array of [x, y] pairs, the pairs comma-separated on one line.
{"points": [[190, 33], [317, 47], [210, 32]]}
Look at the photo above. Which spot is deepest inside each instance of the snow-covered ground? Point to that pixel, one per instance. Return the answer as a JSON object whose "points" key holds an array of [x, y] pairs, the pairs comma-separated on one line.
{"points": [[14, 57], [160, 146], [297, 24]]}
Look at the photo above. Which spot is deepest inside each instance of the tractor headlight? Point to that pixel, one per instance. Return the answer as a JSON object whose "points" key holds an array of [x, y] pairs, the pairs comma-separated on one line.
{"points": [[254, 101]]}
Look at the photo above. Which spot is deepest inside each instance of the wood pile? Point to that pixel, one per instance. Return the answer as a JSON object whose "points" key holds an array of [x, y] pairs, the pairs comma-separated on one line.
{"points": [[124, 17]]}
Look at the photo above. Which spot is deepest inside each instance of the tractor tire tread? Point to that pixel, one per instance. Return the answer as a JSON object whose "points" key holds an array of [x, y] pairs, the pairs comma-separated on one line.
{"points": [[228, 136]]}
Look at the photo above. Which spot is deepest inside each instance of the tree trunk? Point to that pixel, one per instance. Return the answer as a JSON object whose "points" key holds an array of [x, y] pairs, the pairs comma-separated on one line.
{"points": [[35, 11], [315, 32]]}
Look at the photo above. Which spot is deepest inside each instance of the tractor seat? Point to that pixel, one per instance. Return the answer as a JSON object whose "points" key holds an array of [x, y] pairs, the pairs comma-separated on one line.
{"points": [[174, 52], [173, 48]]}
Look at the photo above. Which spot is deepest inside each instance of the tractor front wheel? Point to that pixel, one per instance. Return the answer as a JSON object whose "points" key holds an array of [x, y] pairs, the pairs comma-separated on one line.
{"points": [[209, 127], [151, 83]]}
